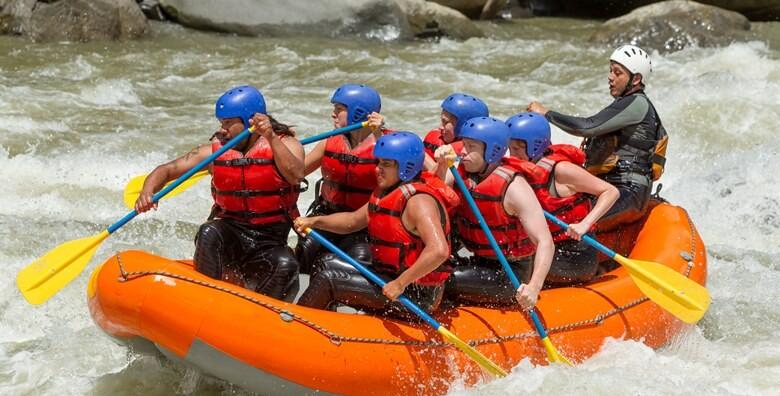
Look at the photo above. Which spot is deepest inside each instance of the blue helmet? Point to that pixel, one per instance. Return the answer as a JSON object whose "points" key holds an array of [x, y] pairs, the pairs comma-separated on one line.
{"points": [[464, 107], [406, 149], [360, 101], [533, 129], [491, 131], [241, 102]]}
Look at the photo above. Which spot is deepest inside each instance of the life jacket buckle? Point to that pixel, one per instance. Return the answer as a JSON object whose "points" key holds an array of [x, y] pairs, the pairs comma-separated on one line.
{"points": [[240, 161]]}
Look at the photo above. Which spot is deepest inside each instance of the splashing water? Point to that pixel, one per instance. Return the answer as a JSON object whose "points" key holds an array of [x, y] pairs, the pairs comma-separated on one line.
{"points": [[79, 120]]}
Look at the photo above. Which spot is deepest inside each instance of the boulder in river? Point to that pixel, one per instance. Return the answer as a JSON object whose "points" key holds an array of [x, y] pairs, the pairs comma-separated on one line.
{"points": [[673, 25], [372, 18], [476, 9], [72, 20], [384, 19], [427, 19], [755, 10]]}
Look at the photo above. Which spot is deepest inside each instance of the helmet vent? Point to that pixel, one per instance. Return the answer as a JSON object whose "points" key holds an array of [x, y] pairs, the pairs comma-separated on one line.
{"points": [[358, 114]]}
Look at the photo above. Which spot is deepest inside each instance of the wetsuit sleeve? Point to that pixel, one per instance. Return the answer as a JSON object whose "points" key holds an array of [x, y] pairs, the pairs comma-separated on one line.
{"points": [[625, 111]]}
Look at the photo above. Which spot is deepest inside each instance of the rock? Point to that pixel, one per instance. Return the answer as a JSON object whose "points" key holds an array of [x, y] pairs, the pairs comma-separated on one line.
{"points": [[755, 10], [72, 20], [674, 25], [372, 18], [428, 19], [152, 9], [492, 8], [15, 16], [469, 8], [476, 9]]}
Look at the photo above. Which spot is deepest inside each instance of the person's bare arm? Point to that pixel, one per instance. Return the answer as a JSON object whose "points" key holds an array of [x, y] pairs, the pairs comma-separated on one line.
{"points": [[340, 223], [422, 217], [166, 172], [579, 180], [521, 201], [288, 152], [288, 157], [314, 158]]}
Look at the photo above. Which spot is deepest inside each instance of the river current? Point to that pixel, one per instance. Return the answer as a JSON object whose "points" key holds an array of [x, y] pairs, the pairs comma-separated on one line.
{"points": [[78, 120]]}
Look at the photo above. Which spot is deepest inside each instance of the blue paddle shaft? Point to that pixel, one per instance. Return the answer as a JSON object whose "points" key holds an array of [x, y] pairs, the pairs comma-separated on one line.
{"points": [[501, 258], [348, 128], [587, 238], [373, 277], [243, 135], [483, 224], [182, 178]]}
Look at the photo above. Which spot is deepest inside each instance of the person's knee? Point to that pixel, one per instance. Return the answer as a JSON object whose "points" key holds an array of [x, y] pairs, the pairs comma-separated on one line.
{"points": [[306, 251], [210, 234], [209, 250], [630, 206], [321, 289], [285, 273], [360, 252], [286, 263], [331, 261]]}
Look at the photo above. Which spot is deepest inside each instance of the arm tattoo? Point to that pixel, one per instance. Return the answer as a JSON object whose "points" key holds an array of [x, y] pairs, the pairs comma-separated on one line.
{"points": [[191, 153]]}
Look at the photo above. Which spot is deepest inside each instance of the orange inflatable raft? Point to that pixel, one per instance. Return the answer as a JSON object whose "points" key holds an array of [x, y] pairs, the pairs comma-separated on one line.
{"points": [[273, 347]]}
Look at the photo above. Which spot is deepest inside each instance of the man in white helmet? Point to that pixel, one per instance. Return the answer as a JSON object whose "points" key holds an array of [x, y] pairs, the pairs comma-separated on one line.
{"points": [[620, 141]]}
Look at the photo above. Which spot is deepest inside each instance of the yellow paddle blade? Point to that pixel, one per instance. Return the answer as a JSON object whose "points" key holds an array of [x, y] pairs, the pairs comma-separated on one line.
{"points": [[552, 354], [481, 359], [681, 296], [134, 186], [43, 278]]}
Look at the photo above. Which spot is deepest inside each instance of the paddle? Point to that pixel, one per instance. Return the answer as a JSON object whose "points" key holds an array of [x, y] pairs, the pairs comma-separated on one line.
{"points": [[134, 186], [45, 276], [481, 359], [552, 353], [674, 292]]}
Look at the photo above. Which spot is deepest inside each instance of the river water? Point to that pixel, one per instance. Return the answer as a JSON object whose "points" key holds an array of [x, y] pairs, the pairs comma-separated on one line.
{"points": [[78, 120]]}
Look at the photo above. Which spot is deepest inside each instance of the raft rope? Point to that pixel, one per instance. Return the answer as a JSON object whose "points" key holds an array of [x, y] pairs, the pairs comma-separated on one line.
{"points": [[337, 339]]}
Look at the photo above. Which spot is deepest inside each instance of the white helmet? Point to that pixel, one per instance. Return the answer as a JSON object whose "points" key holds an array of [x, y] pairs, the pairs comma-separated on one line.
{"points": [[634, 59]]}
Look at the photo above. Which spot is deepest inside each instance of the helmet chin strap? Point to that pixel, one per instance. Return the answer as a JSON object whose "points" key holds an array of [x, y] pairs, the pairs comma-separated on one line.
{"points": [[629, 89]]}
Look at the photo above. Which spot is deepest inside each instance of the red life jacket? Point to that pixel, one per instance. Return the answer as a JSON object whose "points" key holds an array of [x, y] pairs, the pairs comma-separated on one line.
{"points": [[489, 197], [570, 209], [249, 188], [433, 141], [392, 246], [348, 175]]}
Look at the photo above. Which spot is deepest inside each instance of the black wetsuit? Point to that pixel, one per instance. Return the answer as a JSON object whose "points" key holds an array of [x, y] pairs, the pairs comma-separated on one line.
{"points": [[483, 281], [334, 281], [252, 256], [573, 262], [308, 250], [629, 128]]}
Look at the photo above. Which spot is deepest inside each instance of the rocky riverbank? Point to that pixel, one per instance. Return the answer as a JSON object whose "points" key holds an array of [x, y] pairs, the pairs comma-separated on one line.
{"points": [[663, 26]]}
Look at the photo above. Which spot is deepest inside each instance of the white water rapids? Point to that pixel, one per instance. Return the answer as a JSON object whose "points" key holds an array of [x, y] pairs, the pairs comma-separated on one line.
{"points": [[78, 120]]}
